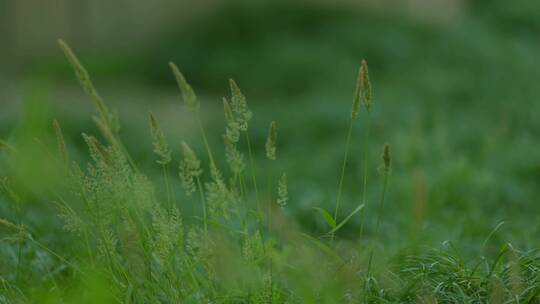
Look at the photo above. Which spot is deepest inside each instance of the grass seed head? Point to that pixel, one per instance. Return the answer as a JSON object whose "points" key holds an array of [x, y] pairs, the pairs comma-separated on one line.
{"points": [[167, 231], [365, 86], [253, 247], [82, 74], [232, 131], [387, 158], [234, 158], [13, 232], [191, 159], [219, 199], [239, 106], [283, 192], [228, 111], [161, 147], [271, 141], [357, 96], [190, 99], [190, 168], [105, 116], [186, 178], [72, 222]]}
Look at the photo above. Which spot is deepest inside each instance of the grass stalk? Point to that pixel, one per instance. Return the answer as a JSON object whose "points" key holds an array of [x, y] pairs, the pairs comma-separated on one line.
{"points": [[203, 202], [243, 191], [205, 140], [386, 174], [365, 164], [252, 165], [343, 168], [167, 186], [271, 263]]}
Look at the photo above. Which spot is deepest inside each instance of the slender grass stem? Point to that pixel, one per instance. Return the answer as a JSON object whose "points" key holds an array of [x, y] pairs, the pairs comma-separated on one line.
{"points": [[191, 271], [365, 161], [381, 205], [19, 249], [377, 227], [85, 230], [243, 190], [252, 164], [343, 168], [203, 202], [19, 256], [58, 256], [205, 140], [88, 248], [271, 262], [167, 186]]}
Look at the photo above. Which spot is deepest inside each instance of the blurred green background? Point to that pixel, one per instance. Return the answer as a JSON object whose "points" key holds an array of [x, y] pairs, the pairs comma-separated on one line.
{"points": [[455, 94]]}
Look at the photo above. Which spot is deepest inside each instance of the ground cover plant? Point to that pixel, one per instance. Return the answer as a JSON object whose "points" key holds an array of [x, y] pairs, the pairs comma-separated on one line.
{"points": [[131, 242]]}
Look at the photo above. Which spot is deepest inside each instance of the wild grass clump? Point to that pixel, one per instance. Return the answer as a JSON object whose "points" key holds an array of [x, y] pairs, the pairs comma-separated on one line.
{"points": [[133, 243]]}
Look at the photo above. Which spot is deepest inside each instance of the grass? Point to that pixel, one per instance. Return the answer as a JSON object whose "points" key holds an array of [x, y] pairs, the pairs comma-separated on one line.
{"points": [[132, 242]]}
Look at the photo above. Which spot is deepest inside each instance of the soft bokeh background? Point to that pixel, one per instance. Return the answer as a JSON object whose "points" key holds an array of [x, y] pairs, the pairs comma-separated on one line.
{"points": [[455, 86]]}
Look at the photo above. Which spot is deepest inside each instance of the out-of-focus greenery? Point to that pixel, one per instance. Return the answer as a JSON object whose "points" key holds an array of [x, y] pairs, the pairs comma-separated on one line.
{"points": [[457, 100]]}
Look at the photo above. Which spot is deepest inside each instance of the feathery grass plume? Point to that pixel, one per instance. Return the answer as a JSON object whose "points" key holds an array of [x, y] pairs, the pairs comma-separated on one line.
{"points": [[193, 105], [229, 117], [108, 185], [202, 249], [271, 142], [191, 159], [220, 199], [187, 180], [253, 247], [144, 191], [132, 249], [239, 106], [234, 158], [190, 168], [168, 232], [283, 192], [161, 147], [97, 151], [13, 232], [105, 117], [365, 85], [107, 244], [387, 159], [357, 95], [60, 142], [232, 131], [72, 221], [190, 99]]}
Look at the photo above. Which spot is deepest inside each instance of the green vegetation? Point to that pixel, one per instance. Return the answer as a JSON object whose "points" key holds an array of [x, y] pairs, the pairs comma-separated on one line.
{"points": [[282, 191], [229, 236]]}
